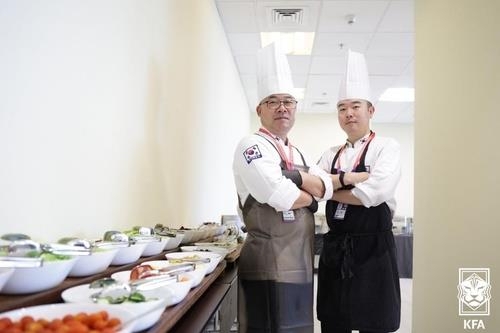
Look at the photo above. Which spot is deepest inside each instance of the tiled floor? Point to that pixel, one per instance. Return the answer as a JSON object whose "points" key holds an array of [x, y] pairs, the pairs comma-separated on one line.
{"points": [[406, 297]]}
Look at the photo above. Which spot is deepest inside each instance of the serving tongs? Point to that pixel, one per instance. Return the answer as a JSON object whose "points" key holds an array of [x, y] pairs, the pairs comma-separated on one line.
{"points": [[10, 261], [95, 244], [116, 292], [174, 270], [144, 235], [25, 247]]}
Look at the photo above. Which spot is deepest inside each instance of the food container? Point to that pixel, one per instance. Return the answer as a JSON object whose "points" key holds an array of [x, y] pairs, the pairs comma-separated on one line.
{"points": [[34, 279]]}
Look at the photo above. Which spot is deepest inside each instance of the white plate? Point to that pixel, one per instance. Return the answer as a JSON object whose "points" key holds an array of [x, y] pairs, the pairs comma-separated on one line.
{"points": [[203, 248], [122, 276], [221, 248], [149, 311], [189, 248], [215, 258], [179, 289], [53, 311]]}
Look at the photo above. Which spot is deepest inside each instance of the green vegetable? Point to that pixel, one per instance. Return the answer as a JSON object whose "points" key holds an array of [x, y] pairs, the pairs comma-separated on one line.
{"points": [[136, 297], [54, 257]]}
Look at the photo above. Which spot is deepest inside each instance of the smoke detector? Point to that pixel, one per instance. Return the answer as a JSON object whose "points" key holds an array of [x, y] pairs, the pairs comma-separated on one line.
{"points": [[351, 18]]}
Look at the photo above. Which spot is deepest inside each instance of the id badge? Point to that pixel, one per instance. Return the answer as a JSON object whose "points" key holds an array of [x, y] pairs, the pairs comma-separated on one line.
{"points": [[288, 216], [340, 212]]}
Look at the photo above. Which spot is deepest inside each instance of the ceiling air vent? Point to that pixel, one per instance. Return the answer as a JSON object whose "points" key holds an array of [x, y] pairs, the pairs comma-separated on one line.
{"points": [[284, 16]]}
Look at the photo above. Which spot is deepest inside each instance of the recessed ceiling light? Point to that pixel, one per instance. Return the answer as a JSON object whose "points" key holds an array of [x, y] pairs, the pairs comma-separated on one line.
{"points": [[398, 95], [295, 43]]}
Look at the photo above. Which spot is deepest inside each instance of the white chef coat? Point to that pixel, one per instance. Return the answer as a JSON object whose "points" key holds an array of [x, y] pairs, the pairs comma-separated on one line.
{"points": [[383, 161], [259, 173]]}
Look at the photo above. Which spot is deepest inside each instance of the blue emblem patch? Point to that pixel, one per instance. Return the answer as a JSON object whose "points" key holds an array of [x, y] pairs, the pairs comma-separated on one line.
{"points": [[252, 153]]}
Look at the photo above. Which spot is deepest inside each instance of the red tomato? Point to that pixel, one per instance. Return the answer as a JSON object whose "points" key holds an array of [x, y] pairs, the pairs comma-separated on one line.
{"points": [[138, 271]]}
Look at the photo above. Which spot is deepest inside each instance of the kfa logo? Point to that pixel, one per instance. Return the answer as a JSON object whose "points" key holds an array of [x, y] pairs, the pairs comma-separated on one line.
{"points": [[474, 295], [474, 292]]}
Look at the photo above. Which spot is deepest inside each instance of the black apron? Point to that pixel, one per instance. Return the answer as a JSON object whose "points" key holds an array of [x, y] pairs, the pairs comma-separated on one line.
{"points": [[275, 270], [358, 281]]}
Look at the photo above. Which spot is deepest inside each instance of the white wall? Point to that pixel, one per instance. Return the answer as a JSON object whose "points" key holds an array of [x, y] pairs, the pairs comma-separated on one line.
{"points": [[314, 133], [110, 116]]}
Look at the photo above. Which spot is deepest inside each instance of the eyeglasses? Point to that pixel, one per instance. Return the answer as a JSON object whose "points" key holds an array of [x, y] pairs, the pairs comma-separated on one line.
{"points": [[274, 104]]}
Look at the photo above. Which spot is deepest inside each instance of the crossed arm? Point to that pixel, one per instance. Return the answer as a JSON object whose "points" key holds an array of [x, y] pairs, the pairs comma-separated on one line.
{"points": [[315, 187]]}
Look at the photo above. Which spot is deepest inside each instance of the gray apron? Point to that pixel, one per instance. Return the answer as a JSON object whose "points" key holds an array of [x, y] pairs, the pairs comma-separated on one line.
{"points": [[275, 271]]}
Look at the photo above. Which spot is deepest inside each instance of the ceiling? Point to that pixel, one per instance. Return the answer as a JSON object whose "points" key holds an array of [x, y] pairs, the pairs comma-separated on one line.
{"points": [[382, 30]]}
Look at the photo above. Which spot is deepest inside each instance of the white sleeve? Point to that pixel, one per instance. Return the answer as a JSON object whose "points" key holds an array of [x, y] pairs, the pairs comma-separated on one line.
{"points": [[325, 178], [385, 172], [260, 172]]}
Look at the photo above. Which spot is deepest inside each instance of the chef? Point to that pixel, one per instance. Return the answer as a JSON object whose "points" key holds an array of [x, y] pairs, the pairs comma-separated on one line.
{"points": [[275, 267], [358, 282]]}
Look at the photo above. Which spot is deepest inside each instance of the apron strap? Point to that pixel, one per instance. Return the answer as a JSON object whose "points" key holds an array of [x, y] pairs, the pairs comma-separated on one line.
{"points": [[303, 167]]}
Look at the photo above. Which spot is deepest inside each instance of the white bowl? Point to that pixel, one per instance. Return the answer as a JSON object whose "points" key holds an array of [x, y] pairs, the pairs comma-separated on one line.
{"points": [[204, 233], [154, 248], [190, 236], [196, 276], [174, 242], [95, 263], [129, 254], [148, 312], [35, 279], [54, 311], [5, 274], [215, 258]]}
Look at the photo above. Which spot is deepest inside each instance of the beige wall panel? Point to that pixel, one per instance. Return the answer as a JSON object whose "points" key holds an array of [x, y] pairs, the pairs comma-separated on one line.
{"points": [[457, 222]]}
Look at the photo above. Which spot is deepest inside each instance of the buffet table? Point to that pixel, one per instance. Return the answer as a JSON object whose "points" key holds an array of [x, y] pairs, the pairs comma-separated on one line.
{"points": [[216, 292]]}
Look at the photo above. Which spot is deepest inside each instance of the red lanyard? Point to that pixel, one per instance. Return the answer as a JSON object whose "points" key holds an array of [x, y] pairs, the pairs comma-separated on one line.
{"points": [[358, 159], [288, 161]]}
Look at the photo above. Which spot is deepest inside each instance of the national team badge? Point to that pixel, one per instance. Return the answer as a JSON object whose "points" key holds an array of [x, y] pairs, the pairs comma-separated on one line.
{"points": [[474, 291], [252, 153]]}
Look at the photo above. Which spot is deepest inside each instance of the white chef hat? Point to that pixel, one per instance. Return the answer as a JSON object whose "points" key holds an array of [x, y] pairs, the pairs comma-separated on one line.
{"points": [[273, 71], [355, 84]]}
